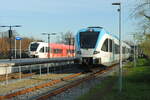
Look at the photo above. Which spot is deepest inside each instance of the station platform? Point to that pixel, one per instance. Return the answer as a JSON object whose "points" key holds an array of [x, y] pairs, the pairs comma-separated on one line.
{"points": [[9, 66]]}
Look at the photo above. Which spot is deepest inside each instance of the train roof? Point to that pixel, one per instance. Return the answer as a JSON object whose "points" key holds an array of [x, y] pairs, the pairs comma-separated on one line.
{"points": [[101, 30], [98, 28], [95, 27]]}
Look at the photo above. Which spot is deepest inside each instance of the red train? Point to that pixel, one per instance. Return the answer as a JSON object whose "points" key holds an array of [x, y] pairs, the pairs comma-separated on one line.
{"points": [[42, 50]]}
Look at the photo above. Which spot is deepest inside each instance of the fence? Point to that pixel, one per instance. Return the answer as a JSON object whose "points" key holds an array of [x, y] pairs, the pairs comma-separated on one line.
{"points": [[38, 68]]}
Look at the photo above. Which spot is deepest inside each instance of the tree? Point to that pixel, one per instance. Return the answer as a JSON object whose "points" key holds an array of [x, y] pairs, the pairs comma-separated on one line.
{"points": [[67, 38], [142, 14], [5, 44], [145, 45]]}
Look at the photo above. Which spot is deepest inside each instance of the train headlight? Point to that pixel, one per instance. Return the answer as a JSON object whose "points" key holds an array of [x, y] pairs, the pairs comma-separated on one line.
{"points": [[79, 52], [96, 52]]}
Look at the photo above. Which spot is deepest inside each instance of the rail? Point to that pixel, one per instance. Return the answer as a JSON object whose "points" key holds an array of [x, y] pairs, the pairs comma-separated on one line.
{"points": [[73, 84]]}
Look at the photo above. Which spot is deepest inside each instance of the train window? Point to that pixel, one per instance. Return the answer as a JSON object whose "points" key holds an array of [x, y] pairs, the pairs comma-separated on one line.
{"points": [[126, 50], [116, 49], [47, 48], [42, 49], [113, 46], [123, 50], [110, 45], [57, 50], [34, 46], [105, 46], [88, 39], [70, 51]]}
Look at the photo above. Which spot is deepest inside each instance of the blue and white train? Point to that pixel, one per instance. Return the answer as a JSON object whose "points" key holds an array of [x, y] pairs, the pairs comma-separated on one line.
{"points": [[94, 45]]}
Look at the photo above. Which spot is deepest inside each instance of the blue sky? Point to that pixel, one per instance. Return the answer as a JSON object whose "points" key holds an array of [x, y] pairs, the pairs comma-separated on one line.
{"points": [[38, 16]]}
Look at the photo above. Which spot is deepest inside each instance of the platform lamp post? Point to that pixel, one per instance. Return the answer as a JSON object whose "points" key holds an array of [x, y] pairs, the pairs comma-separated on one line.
{"points": [[10, 37], [49, 49], [120, 43]]}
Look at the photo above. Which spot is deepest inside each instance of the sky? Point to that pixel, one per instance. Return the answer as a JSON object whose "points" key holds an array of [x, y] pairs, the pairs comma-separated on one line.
{"points": [[56, 16]]}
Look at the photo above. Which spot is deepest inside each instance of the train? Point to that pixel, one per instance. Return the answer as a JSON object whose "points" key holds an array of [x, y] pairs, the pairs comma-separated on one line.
{"points": [[96, 46], [52, 50]]}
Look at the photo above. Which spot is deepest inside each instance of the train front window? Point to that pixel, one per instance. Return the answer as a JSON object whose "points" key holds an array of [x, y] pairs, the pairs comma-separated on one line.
{"points": [[34, 46], [88, 39]]}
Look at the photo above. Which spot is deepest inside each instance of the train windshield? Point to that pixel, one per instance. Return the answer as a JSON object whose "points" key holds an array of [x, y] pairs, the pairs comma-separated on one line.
{"points": [[88, 39], [34, 46]]}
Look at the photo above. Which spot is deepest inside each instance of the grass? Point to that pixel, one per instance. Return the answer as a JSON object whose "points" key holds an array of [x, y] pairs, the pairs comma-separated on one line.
{"points": [[136, 84], [98, 91]]}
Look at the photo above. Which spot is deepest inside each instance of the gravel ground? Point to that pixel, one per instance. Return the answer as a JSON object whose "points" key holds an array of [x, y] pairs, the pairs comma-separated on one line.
{"points": [[71, 94], [74, 93], [35, 94]]}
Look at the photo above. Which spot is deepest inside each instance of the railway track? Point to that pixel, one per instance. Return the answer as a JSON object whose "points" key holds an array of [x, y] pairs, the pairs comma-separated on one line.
{"points": [[76, 81]]}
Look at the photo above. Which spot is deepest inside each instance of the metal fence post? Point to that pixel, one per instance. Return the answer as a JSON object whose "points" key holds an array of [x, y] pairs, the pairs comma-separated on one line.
{"points": [[20, 72], [6, 75], [40, 69], [30, 68], [47, 68], [54, 69]]}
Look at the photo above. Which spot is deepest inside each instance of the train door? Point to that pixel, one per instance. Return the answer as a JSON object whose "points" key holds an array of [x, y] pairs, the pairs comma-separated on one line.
{"points": [[113, 51], [110, 51], [105, 53], [46, 52], [41, 53]]}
